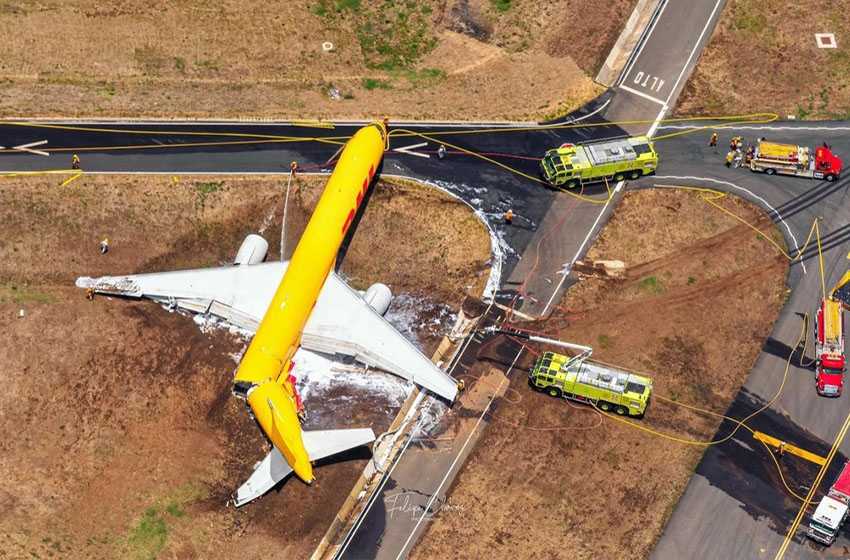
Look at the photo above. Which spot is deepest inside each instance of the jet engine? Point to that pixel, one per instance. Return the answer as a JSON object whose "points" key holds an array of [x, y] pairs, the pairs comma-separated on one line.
{"points": [[252, 251], [378, 296]]}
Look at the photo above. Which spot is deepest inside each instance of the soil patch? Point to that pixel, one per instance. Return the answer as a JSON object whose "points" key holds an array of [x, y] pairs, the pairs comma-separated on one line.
{"points": [[553, 479], [461, 59]]}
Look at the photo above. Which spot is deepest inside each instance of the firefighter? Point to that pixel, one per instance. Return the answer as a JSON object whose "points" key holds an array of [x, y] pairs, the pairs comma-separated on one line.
{"points": [[730, 157], [509, 216], [713, 142], [750, 154], [441, 152], [104, 246], [75, 161]]}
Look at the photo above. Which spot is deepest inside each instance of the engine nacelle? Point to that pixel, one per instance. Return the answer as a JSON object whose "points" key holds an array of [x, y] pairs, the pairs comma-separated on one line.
{"points": [[252, 251], [378, 296]]}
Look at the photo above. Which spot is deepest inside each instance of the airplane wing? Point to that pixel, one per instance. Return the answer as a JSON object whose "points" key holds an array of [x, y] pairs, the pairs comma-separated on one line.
{"points": [[341, 323]]}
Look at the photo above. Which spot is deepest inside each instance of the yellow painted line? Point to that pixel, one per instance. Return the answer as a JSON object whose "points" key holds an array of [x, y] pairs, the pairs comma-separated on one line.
{"points": [[71, 178], [34, 173], [314, 124], [793, 529], [787, 447]]}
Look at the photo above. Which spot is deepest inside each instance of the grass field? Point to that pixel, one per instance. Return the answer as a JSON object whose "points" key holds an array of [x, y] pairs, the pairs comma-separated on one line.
{"points": [[461, 59]]}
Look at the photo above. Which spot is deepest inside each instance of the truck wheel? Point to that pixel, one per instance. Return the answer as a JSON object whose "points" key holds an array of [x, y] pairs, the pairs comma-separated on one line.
{"points": [[619, 177], [770, 171], [554, 392], [621, 410], [571, 184], [634, 175], [830, 178], [604, 406]]}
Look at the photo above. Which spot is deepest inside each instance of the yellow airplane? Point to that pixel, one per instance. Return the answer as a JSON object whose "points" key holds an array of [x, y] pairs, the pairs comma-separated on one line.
{"points": [[310, 307]]}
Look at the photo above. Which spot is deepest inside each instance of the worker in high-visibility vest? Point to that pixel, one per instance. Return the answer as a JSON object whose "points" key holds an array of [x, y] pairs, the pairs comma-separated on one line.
{"points": [[730, 157], [75, 161]]}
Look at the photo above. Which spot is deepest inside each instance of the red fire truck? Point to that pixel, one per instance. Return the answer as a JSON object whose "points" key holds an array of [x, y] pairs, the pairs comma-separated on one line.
{"points": [[788, 159]]}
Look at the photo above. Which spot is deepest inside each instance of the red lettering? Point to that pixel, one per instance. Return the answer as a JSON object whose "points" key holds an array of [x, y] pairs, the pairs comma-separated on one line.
{"points": [[348, 221]]}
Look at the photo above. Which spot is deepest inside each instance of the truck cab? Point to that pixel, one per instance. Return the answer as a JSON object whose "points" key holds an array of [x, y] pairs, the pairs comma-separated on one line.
{"points": [[832, 510], [826, 520]]}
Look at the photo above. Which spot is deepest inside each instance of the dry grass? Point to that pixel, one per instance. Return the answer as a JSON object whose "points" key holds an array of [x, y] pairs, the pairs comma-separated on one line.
{"points": [[459, 59], [763, 57]]}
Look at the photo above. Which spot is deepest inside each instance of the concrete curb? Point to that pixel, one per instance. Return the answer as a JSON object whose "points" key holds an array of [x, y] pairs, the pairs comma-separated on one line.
{"points": [[632, 34]]}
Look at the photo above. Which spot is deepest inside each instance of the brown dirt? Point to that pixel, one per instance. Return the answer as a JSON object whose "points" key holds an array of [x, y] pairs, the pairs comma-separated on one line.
{"points": [[120, 437], [551, 479], [252, 58], [772, 44]]}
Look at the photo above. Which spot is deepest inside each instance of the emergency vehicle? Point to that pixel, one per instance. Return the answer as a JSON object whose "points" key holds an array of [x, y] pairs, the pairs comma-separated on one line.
{"points": [[832, 509], [572, 165], [789, 159], [829, 348], [578, 379]]}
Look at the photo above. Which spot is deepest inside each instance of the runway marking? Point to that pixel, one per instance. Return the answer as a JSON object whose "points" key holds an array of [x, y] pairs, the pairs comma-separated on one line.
{"points": [[29, 148], [458, 456], [694, 50], [409, 150], [734, 186], [643, 43], [641, 94]]}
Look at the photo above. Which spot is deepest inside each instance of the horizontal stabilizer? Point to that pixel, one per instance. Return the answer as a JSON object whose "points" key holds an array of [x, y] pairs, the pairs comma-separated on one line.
{"points": [[341, 323], [319, 444]]}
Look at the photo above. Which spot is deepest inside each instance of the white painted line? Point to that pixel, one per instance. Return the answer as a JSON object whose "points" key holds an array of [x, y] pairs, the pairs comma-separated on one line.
{"points": [[751, 127], [694, 50], [641, 94], [28, 148], [657, 121], [436, 493], [636, 54], [409, 150], [581, 248], [734, 186]]}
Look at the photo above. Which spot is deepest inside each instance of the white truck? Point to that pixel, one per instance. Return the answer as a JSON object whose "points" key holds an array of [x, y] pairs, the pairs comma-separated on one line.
{"points": [[832, 509]]}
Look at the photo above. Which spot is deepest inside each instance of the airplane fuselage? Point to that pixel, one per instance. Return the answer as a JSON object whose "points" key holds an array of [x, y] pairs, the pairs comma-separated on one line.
{"points": [[264, 369]]}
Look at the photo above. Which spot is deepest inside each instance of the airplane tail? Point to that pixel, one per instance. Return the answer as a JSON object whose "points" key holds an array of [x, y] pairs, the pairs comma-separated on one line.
{"points": [[319, 444]]}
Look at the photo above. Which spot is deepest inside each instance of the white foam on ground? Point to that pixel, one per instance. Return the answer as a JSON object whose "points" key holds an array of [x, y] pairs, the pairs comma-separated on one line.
{"points": [[405, 314], [317, 374]]}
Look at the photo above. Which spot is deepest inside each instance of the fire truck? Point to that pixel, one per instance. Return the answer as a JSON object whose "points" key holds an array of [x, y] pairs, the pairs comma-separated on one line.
{"points": [[832, 509], [829, 348], [789, 159], [576, 378], [580, 380], [829, 339], [573, 165]]}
